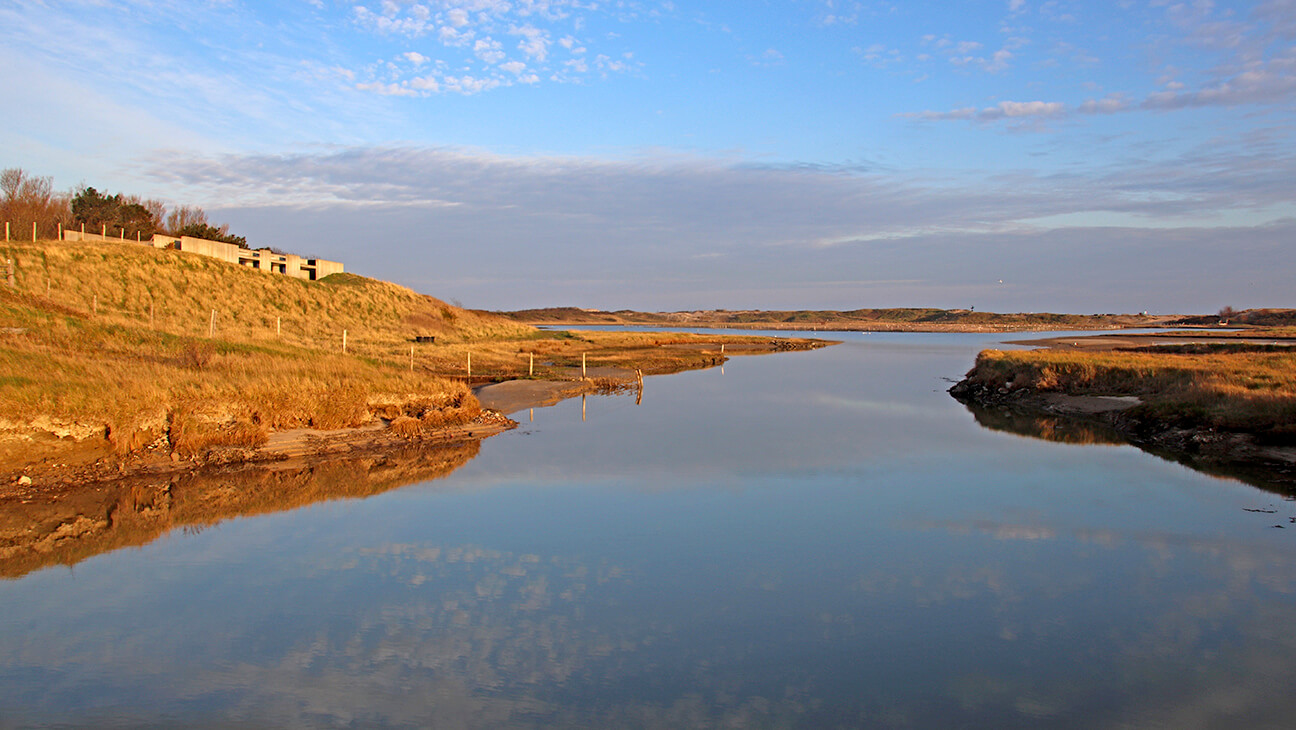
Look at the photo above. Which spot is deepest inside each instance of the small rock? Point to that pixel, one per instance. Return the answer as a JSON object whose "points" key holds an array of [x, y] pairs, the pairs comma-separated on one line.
{"points": [[175, 456], [24, 481]]}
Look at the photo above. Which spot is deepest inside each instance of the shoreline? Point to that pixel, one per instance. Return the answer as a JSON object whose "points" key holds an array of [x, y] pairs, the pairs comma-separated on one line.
{"points": [[292, 448], [1084, 419], [1116, 417]]}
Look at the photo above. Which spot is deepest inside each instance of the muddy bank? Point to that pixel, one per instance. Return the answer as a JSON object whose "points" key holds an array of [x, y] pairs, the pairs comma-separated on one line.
{"points": [[85, 464], [1240, 455]]}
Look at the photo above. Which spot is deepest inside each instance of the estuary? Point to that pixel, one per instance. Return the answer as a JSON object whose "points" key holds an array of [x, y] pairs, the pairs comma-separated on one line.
{"points": [[810, 539]]}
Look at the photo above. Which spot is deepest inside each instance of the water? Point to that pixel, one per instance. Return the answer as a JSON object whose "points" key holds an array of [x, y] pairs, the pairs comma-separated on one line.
{"points": [[820, 539]]}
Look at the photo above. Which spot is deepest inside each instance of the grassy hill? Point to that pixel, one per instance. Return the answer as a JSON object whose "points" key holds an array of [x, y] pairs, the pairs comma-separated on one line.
{"points": [[120, 346], [113, 339]]}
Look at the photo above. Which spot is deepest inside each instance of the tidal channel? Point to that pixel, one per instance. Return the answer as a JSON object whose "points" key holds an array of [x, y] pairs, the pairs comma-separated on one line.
{"points": [[810, 539]]}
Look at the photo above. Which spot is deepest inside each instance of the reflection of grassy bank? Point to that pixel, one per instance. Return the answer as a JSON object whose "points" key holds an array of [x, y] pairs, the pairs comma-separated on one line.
{"points": [[64, 528], [1026, 418], [1046, 426], [1228, 410]]}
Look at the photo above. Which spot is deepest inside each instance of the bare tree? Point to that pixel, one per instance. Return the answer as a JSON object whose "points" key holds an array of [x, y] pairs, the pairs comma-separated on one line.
{"points": [[27, 199], [183, 217]]}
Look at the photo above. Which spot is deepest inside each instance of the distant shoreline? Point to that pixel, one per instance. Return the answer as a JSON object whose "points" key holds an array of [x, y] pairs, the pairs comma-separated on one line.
{"points": [[867, 320]]}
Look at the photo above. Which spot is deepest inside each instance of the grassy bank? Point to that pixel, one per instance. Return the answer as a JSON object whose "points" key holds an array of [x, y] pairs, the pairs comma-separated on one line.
{"points": [[1230, 387], [106, 348]]}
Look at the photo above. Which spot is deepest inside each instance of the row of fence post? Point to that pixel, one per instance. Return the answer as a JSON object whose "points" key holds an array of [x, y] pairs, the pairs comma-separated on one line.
{"points": [[103, 232], [279, 331]]}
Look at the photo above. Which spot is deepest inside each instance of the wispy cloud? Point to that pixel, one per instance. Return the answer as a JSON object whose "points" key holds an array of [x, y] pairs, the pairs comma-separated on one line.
{"points": [[463, 37], [726, 226]]}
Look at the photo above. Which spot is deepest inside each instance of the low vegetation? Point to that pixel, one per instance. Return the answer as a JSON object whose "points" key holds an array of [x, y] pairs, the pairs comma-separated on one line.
{"points": [[1227, 386], [131, 345]]}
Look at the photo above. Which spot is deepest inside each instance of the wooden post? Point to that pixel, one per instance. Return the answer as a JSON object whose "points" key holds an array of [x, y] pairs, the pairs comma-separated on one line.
{"points": [[82, 230], [6, 230], [60, 231], [211, 326], [150, 315], [33, 231], [103, 230], [470, 364], [531, 367], [344, 334], [139, 237], [411, 358], [582, 366], [721, 349], [123, 234], [94, 306], [48, 282], [278, 326]]}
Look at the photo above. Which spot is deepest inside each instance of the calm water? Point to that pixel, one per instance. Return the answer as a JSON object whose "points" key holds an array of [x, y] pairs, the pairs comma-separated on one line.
{"points": [[820, 539]]}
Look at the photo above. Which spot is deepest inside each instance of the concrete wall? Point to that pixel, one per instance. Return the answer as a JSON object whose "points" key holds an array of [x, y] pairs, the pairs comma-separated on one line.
{"points": [[260, 259], [70, 235]]}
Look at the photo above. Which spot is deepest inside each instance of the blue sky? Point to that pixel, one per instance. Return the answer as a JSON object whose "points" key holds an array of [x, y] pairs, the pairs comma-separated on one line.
{"points": [[1004, 154]]}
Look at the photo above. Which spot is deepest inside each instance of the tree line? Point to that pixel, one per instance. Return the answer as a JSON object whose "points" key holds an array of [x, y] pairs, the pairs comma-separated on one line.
{"points": [[26, 199]]}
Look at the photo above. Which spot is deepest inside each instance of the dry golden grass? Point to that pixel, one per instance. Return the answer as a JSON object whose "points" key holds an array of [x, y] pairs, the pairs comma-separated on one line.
{"points": [[113, 339], [122, 283], [1242, 388], [88, 353]]}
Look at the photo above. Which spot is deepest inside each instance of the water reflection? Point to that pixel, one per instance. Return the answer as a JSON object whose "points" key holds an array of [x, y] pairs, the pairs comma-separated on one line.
{"points": [[66, 528], [821, 540], [1076, 429]]}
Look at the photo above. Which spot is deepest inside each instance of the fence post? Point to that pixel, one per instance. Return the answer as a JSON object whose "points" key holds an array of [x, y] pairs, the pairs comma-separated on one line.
{"points": [[60, 231], [411, 358], [211, 325], [103, 230], [94, 305], [33, 231], [150, 315], [470, 364], [278, 326], [531, 368], [344, 334], [582, 366], [6, 230]]}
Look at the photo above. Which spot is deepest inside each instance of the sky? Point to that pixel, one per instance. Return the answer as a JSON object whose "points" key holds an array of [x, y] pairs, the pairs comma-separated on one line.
{"points": [[1006, 155]]}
